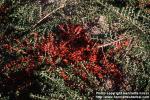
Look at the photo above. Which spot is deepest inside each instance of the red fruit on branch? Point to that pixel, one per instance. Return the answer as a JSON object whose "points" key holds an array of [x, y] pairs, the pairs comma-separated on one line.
{"points": [[84, 75], [64, 75], [69, 45], [74, 46], [100, 75]]}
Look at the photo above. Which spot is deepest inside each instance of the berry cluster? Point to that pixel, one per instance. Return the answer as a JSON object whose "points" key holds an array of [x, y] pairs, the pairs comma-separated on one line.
{"points": [[69, 45]]}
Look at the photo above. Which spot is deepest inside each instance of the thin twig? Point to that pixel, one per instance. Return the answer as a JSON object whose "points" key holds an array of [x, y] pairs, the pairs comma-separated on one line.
{"points": [[62, 6], [129, 47], [105, 45]]}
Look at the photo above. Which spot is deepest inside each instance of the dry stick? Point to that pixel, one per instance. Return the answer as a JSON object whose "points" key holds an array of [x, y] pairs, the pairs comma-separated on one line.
{"points": [[129, 47], [62, 6], [105, 45]]}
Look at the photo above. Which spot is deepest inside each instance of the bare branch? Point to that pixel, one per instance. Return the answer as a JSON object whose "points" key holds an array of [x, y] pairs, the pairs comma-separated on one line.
{"points": [[108, 44], [61, 6]]}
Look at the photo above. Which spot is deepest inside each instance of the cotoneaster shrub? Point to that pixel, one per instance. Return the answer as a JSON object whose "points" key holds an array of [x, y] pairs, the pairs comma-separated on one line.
{"points": [[68, 47], [67, 63]]}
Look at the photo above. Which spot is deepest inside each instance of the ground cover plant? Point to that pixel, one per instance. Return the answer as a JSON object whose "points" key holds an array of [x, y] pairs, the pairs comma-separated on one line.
{"points": [[69, 49]]}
